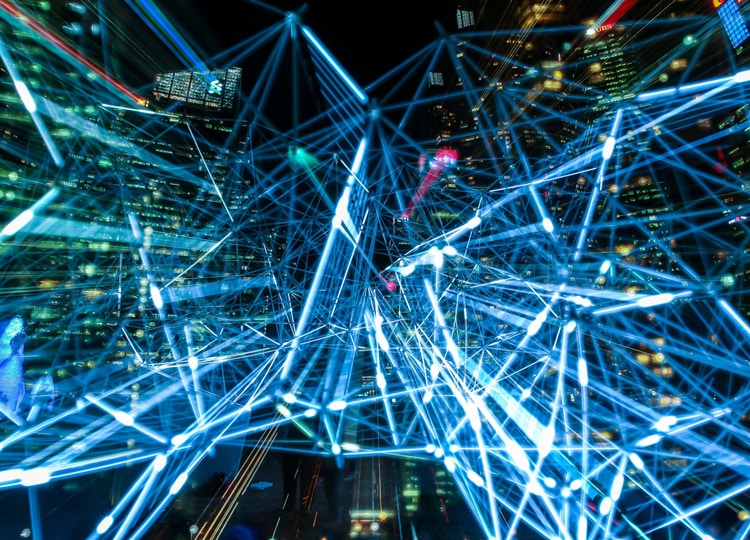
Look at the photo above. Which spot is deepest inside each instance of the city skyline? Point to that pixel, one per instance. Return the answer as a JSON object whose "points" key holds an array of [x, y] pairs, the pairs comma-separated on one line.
{"points": [[512, 268]]}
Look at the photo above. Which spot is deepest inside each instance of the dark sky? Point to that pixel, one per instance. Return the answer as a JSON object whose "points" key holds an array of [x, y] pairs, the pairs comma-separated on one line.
{"points": [[368, 37]]}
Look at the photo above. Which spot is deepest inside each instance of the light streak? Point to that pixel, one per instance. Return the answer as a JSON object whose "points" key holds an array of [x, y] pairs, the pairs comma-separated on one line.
{"points": [[58, 44], [353, 86]]}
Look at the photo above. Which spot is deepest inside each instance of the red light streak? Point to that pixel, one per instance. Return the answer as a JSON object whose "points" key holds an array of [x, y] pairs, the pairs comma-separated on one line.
{"points": [[442, 159], [60, 44], [610, 20]]}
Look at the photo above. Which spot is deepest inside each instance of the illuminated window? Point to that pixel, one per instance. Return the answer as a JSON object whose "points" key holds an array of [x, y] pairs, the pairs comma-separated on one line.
{"points": [[464, 18], [734, 23], [435, 78]]}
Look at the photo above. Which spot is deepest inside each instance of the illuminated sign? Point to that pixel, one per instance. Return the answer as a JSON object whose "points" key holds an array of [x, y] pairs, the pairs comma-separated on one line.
{"points": [[734, 23]]}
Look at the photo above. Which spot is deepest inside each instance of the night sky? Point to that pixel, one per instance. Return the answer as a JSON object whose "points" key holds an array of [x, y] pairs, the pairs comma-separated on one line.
{"points": [[367, 37]]}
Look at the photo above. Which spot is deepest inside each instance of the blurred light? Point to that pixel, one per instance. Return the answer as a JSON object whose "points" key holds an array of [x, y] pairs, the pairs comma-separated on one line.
{"points": [[337, 405], [665, 423], [582, 527], [156, 296], [178, 440], [177, 485], [649, 440], [124, 418], [609, 147], [18, 223], [636, 460], [617, 484], [655, 300], [104, 524], [583, 373], [160, 462], [475, 478], [26, 97], [35, 477]]}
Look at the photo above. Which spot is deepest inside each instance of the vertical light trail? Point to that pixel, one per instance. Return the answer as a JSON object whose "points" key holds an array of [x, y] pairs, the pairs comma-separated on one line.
{"points": [[30, 104], [341, 212]]}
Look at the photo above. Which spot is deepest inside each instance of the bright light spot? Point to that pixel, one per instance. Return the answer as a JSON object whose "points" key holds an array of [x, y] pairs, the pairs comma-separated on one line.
{"points": [[10, 475], [450, 251], [18, 223], [439, 453], [518, 456], [177, 485], [26, 97], [473, 414], [310, 413], [565, 492], [336, 449], [450, 464], [609, 147], [649, 440], [616, 490], [179, 440], [580, 301], [655, 300], [546, 440], [636, 460], [474, 222], [526, 393], [290, 398], [547, 225], [427, 397], [437, 257], [590, 31], [156, 296], [435, 370], [534, 487], [380, 381], [665, 423], [604, 268], [104, 525], [536, 324], [35, 477], [337, 405], [283, 411], [429, 448], [582, 526], [160, 462], [549, 482], [124, 418], [382, 341], [606, 506], [475, 479], [192, 362], [407, 270], [576, 484], [350, 447], [570, 327], [742, 76], [583, 372]]}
